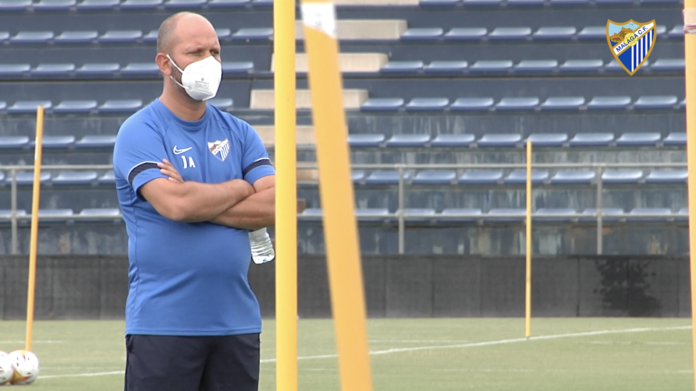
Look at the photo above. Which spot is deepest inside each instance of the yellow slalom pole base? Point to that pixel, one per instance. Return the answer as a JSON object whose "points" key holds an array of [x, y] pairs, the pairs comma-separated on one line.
{"points": [[286, 195], [337, 199], [528, 250], [31, 286]]}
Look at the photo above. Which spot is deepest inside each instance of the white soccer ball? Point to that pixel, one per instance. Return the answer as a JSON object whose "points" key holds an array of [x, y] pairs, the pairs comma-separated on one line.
{"points": [[6, 368], [26, 367]]}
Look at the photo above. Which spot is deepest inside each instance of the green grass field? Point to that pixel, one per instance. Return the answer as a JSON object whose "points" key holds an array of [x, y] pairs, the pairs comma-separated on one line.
{"points": [[414, 354]]}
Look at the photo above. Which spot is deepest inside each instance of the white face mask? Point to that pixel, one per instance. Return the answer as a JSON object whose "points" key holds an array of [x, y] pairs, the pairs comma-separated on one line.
{"points": [[200, 79]]}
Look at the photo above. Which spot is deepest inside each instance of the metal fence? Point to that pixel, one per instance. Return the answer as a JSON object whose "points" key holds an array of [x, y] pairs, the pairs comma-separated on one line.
{"points": [[399, 215]]}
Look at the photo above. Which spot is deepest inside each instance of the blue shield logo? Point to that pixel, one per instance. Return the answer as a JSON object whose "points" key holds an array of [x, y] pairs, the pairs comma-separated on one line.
{"points": [[631, 43]]}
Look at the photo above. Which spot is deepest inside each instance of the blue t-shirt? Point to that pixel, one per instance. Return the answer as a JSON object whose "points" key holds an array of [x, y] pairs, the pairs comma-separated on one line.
{"points": [[186, 278]]}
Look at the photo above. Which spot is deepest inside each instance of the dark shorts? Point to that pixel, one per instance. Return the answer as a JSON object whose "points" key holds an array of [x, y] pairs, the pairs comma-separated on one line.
{"points": [[225, 363]]}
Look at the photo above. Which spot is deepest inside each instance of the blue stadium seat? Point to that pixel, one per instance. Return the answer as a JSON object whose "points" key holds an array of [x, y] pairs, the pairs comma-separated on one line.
{"points": [[677, 32], [510, 33], [141, 69], [525, 103], [608, 214], [237, 67], [14, 70], [581, 66], [262, 3], [81, 37], [472, 214], [675, 139], [411, 213], [438, 3], [3, 106], [536, 66], [506, 215], [75, 178], [253, 34], [482, 3], [480, 177], [571, 3], [121, 36], [4, 36], [613, 66], [99, 215], [422, 34], [141, 4], [667, 176], [494, 66], [96, 142], [227, 3], [576, 177], [54, 5], [500, 140], [427, 104], [555, 33], [367, 140], [75, 106], [661, 214], [525, 3], [98, 5], [682, 104], [554, 215], [312, 214], [107, 179], [613, 3], [647, 139], [408, 141], [150, 37], [668, 65], [53, 70], [26, 178], [121, 106], [466, 34], [98, 69], [14, 142], [382, 104], [548, 139], [2, 178], [562, 103], [622, 176], [472, 104], [55, 142], [656, 102], [453, 140], [434, 177], [593, 33], [221, 103], [29, 106], [14, 5], [32, 37], [357, 176], [609, 103], [402, 67], [591, 140], [386, 177], [519, 177], [372, 215], [439, 67], [682, 215], [174, 4], [55, 216]]}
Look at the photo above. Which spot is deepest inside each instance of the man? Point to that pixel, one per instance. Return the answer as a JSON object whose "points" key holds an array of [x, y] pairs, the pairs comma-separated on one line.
{"points": [[192, 182]]}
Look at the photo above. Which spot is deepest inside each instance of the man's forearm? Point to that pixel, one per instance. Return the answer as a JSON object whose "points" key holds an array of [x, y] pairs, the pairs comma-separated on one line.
{"points": [[202, 202], [254, 212]]}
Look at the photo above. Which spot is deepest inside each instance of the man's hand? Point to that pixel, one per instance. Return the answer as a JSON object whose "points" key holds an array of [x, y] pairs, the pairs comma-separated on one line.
{"points": [[167, 168]]}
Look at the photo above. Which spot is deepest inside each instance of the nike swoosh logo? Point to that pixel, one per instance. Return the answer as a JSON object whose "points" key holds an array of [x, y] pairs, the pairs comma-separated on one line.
{"points": [[178, 151]]}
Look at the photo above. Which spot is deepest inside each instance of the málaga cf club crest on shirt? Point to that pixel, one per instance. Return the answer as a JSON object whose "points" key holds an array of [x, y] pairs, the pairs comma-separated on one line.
{"points": [[219, 149], [631, 43]]}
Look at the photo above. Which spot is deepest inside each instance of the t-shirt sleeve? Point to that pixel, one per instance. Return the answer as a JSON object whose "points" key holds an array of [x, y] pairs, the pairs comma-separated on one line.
{"points": [[138, 150], [255, 161]]}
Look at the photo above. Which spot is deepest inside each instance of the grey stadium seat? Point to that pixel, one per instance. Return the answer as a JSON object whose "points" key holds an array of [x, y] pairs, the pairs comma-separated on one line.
{"points": [[55, 142], [655, 102], [667, 176], [581, 66], [32, 37], [562, 103], [536, 66], [402, 67], [608, 214], [54, 5], [675, 139], [237, 67], [502, 140], [121, 106], [509, 33], [662, 214], [554, 215], [453, 140], [555, 33], [578, 177], [357, 176], [98, 69], [58, 216], [408, 141], [14, 142], [99, 215], [491, 66], [411, 213], [434, 177], [427, 104], [75, 178], [480, 177], [29, 106], [53, 70], [96, 141], [385, 177], [519, 177], [506, 214], [14, 5], [668, 65], [524, 103], [591, 140], [121, 36], [469, 215], [221, 103], [373, 215], [438, 67], [547, 139], [472, 104], [648, 139], [14, 70], [75, 106], [26, 178], [422, 34], [175, 4], [227, 3], [140, 4], [81, 37], [253, 34], [593, 33], [107, 179], [98, 5], [609, 103], [369, 140], [466, 34], [623, 176], [382, 104], [141, 69]]}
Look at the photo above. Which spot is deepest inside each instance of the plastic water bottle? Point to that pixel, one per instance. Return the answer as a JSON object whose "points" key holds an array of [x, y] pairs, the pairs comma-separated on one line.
{"points": [[261, 246]]}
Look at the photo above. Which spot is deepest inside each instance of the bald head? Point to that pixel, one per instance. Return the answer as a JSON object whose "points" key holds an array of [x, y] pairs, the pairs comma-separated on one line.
{"points": [[175, 28]]}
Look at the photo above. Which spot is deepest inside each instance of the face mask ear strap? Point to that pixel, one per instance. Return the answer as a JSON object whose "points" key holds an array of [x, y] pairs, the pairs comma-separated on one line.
{"points": [[172, 76], [177, 67]]}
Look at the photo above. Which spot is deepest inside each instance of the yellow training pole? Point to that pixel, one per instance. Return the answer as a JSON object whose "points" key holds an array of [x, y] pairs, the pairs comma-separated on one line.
{"points": [[286, 195], [528, 252], [690, 70], [34, 226], [337, 199]]}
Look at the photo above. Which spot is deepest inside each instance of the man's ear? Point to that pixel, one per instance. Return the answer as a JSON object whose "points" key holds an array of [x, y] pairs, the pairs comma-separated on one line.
{"points": [[164, 64]]}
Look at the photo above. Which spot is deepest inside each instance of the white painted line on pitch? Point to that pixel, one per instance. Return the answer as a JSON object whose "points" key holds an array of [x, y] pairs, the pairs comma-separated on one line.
{"points": [[48, 341], [83, 375], [419, 341], [456, 346]]}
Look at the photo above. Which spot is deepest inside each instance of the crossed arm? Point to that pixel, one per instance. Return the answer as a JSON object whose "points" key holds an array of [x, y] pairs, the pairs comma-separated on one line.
{"points": [[234, 203]]}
